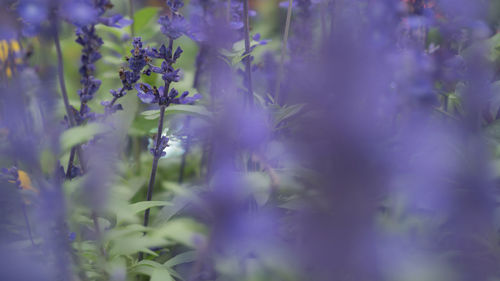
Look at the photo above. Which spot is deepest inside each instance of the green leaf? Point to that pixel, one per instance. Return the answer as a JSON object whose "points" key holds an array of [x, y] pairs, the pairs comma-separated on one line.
{"points": [[142, 206], [80, 134], [155, 270], [150, 112], [117, 233], [494, 44], [182, 230], [161, 274], [185, 257], [135, 243], [145, 267], [145, 16], [193, 110], [196, 110], [287, 112]]}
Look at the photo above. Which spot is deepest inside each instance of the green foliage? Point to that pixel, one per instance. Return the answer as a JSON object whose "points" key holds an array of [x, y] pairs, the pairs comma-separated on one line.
{"points": [[193, 110], [78, 135]]}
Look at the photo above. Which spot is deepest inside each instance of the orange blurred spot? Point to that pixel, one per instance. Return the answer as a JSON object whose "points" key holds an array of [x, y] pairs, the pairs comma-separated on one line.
{"points": [[25, 181]]}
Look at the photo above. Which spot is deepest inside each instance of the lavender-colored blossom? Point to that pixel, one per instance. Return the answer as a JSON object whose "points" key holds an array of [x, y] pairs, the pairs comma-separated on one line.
{"points": [[173, 26], [33, 14], [152, 95], [175, 5], [159, 151]]}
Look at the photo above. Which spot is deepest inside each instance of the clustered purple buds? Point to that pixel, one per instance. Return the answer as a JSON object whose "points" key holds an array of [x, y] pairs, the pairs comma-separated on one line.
{"points": [[136, 64], [153, 95], [175, 5], [85, 14], [159, 151], [173, 26], [11, 175]]}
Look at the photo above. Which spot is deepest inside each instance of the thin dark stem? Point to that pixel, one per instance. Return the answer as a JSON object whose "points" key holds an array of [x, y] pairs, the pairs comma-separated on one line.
{"points": [[115, 98], [199, 65], [60, 72], [62, 84], [131, 15], [28, 227], [152, 177], [248, 61], [283, 50], [76, 150], [70, 162], [113, 101], [157, 155], [155, 165]]}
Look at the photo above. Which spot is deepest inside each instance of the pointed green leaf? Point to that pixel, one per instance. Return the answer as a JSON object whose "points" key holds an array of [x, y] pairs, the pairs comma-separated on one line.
{"points": [[80, 134], [142, 206], [185, 257]]}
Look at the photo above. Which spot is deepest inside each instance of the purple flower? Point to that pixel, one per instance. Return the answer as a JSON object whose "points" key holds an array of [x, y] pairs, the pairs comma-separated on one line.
{"points": [[79, 12], [117, 21], [175, 5], [151, 95], [173, 26], [146, 93], [90, 87], [32, 13], [159, 151]]}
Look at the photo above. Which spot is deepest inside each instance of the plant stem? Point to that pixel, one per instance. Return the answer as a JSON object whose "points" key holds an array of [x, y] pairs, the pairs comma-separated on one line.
{"points": [[60, 71], [115, 98], [199, 64], [131, 15], [70, 162], [157, 155], [283, 50], [152, 177], [155, 164], [248, 69], [64, 92]]}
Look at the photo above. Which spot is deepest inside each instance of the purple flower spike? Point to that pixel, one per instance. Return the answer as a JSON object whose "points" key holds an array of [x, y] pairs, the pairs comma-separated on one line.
{"points": [[174, 26]]}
